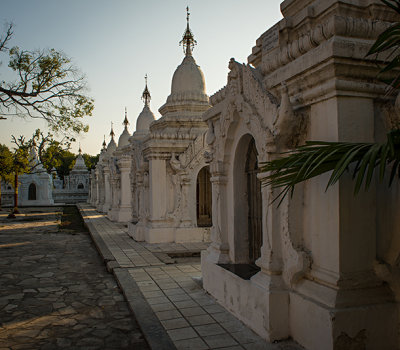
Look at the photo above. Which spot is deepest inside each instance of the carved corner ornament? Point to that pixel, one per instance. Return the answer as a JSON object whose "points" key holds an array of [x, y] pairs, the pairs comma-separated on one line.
{"points": [[391, 114], [288, 127]]}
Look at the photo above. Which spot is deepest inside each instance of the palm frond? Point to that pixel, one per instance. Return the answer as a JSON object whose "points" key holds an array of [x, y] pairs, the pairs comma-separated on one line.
{"points": [[389, 40], [318, 157], [394, 4]]}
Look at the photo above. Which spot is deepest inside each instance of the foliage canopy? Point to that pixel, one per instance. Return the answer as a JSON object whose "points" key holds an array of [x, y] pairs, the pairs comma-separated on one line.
{"points": [[46, 85]]}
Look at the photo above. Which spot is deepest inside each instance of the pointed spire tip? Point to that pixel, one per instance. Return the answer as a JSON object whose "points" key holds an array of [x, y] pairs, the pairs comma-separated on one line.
{"points": [[188, 42], [112, 131], [146, 97], [126, 122]]}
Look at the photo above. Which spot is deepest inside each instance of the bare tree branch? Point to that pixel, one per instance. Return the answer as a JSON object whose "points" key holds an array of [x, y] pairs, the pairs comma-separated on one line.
{"points": [[6, 38], [47, 86]]}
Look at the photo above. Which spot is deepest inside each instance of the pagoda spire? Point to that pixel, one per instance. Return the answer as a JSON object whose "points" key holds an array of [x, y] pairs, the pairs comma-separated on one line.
{"points": [[188, 41], [112, 131], [126, 122], [104, 142], [146, 97], [80, 150]]}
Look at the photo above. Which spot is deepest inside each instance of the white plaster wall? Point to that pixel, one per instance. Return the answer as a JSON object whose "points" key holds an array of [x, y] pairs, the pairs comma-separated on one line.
{"points": [[262, 308]]}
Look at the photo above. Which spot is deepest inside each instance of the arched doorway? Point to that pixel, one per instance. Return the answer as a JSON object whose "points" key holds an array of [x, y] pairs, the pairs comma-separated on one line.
{"points": [[247, 203], [254, 202], [203, 198], [32, 192], [80, 186]]}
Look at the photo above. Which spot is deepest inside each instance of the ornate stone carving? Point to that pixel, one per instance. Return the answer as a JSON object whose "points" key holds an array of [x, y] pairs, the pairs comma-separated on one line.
{"points": [[288, 127], [176, 179], [391, 114], [297, 261], [275, 126], [335, 25]]}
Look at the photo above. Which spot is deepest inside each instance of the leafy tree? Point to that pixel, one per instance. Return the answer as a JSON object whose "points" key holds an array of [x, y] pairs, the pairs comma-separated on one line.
{"points": [[90, 161], [318, 157], [20, 165], [21, 155], [50, 150], [51, 156], [67, 162], [47, 85], [6, 163], [6, 166]]}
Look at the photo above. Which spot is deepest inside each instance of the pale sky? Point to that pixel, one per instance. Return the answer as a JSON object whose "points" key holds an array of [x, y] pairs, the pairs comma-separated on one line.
{"points": [[115, 43]]}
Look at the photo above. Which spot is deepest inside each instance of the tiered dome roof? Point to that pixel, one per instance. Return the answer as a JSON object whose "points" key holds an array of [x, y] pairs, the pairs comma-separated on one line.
{"points": [[188, 88], [124, 138], [34, 162], [188, 96], [188, 83], [112, 146], [80, 165], [146, 117], [103, 150]]}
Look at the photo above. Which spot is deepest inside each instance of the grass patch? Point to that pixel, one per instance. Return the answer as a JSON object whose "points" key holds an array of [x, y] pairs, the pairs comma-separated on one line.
{"points": [[71, 220]]}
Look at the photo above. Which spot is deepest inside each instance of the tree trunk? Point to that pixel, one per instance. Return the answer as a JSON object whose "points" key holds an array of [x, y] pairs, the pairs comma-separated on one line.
{"points": [[16, 211], [0, 193]]}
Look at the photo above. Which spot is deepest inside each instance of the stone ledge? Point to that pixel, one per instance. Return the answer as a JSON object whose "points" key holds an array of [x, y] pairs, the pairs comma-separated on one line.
{"points": [[98, 241], [154, 332]]}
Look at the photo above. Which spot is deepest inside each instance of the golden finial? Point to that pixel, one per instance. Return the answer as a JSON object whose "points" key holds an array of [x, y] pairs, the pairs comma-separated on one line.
{"points": [[146, 93], [126, 122], [188, 41], [112, 131]]}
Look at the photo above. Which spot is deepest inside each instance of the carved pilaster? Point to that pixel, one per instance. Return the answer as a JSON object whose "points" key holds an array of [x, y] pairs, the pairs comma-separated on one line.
{"points": [[219, 248]]}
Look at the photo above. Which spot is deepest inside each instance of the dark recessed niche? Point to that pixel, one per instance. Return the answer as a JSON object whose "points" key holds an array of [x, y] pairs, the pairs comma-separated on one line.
{"points": [[245, 271]]}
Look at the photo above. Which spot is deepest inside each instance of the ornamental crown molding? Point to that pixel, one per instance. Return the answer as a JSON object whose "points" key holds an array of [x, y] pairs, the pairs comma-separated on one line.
{"points": [[303, 8], [124, 162], [185, 108], [168, 124], [308, 23], [122, 151], [335, 25]]}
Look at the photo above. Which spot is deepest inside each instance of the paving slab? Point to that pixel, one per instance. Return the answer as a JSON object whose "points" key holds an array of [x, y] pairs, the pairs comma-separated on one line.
{"points": [[172, 309], [55, 291]]}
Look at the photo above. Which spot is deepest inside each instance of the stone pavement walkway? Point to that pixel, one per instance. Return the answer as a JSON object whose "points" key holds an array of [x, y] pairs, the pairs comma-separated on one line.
{"points": [[55, 292], [172, 309], [123, 249]]}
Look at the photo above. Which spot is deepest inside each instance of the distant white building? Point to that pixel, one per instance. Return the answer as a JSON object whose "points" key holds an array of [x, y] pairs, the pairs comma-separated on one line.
{"points": [[35, 188], [78, 179], [41, 188], [7, 194], [158, 179], [76, 184]]}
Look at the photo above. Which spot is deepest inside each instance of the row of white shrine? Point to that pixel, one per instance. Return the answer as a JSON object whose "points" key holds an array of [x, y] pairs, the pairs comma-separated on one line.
{"points": [[327, 270]]}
